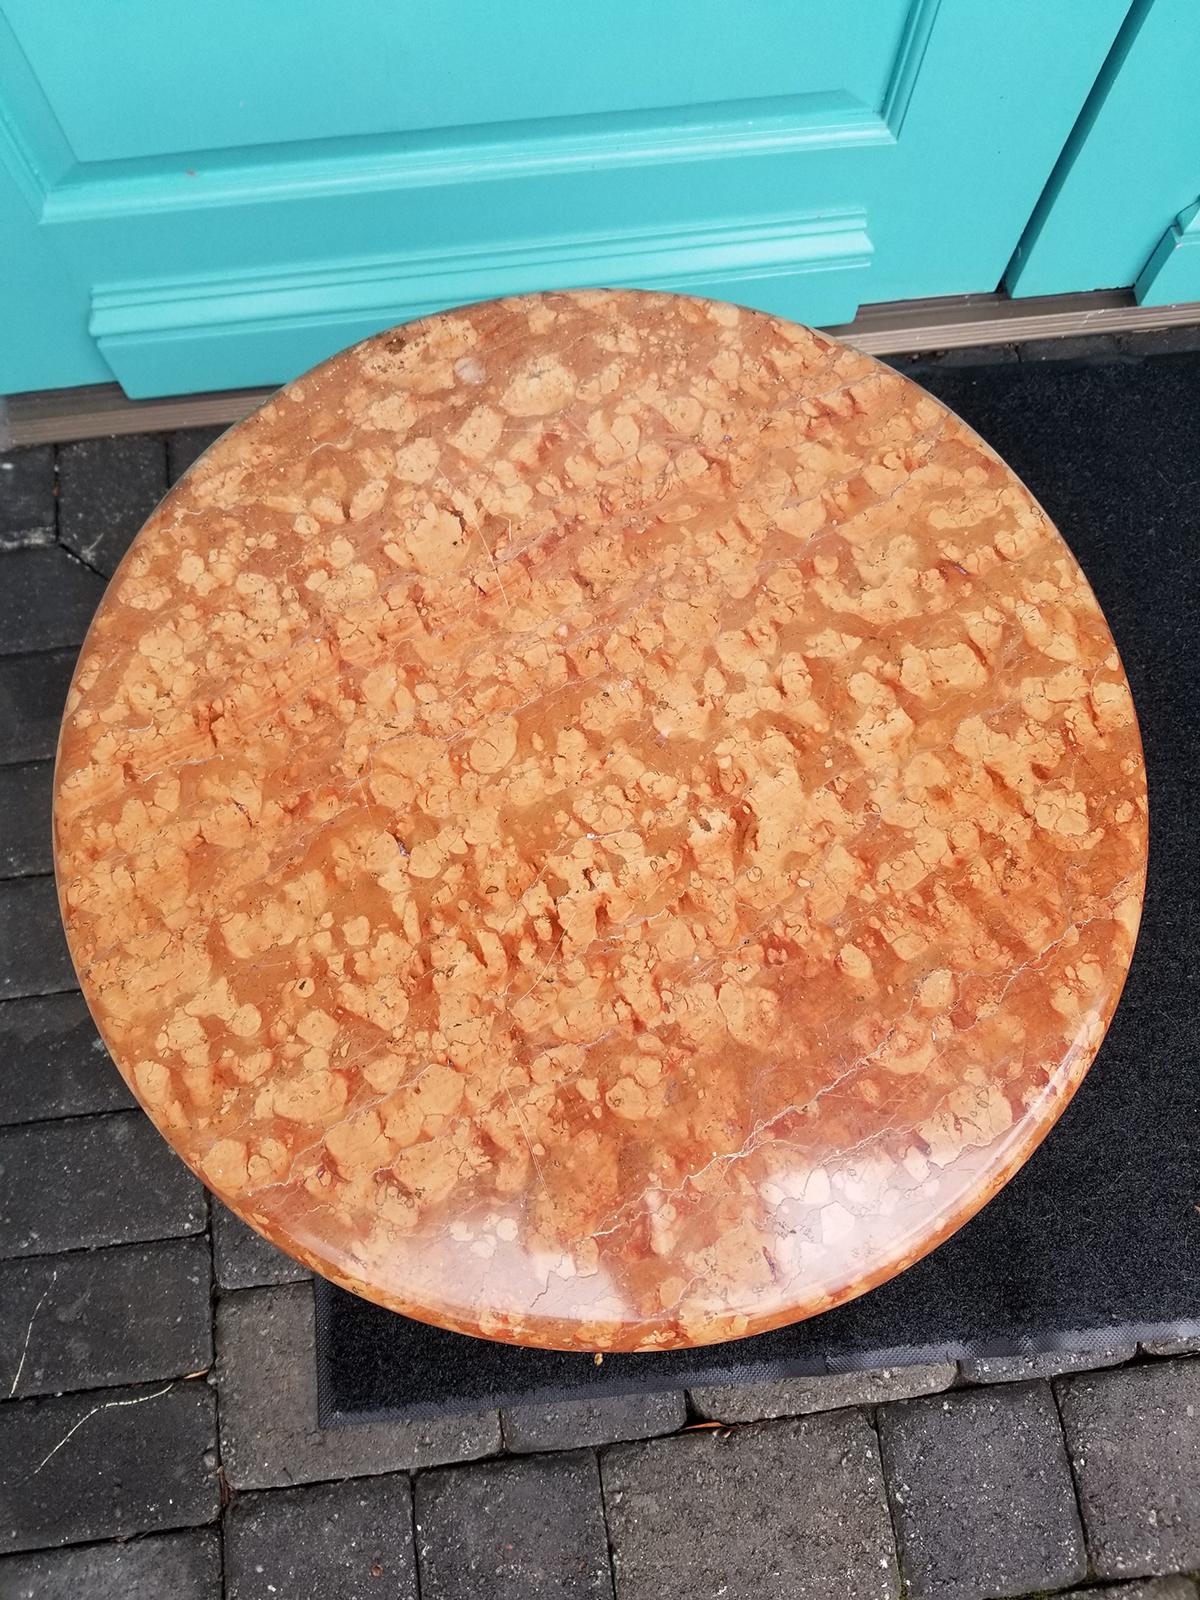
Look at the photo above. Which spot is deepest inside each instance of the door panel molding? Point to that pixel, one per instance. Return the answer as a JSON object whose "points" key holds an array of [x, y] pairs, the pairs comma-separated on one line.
{"points": [[906, 66], [528, 150], [73, 191], [33, 145], [330, 305], [1172, 275]]}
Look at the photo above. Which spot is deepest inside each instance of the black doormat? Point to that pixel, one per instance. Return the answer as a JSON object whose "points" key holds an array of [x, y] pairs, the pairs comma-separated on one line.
{"points": [[1097, 1239]]}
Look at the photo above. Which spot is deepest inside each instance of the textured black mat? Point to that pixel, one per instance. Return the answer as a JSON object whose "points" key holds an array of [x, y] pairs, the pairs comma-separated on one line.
{"points": [[1099, 1235]]}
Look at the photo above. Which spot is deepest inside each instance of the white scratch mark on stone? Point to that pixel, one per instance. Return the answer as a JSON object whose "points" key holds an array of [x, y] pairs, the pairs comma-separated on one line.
{"points": [[109, 1405], [29, 1332]]}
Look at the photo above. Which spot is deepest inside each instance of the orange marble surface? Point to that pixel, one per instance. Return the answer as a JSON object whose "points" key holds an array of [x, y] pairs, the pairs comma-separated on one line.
{"points": [[601, 820]]}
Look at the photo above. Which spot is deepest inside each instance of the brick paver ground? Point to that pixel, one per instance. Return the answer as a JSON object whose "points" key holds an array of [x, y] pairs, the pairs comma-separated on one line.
{"points": [[981, 1493], [570, 1424], [797, 1397], [327, 1541], [1177, 1588], [181, 1566], [268, 1384], [792, 1508], [1134, 1439], [158, 1430], [526, 1529]]}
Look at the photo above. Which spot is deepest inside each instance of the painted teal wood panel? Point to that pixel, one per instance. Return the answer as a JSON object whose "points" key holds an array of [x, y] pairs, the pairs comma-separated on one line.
{"points": [[277, 72], [44, 338], [1172, 275], [231, 192], [1130, 167]]}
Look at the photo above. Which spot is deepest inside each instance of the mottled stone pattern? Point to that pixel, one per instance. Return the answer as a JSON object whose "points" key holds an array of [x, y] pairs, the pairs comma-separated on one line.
{"points": [[602, 820]]}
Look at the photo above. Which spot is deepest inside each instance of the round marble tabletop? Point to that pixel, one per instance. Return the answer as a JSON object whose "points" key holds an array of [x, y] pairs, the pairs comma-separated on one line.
{"points": [[603, 820]]}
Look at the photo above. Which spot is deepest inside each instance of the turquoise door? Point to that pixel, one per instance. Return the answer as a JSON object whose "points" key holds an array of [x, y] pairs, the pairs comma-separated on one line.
{"points": [[218, 194], [1121, 207]]}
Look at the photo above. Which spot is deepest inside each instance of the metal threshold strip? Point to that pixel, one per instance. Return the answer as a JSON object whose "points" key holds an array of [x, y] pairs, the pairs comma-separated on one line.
{"points": [[896, 327]]}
